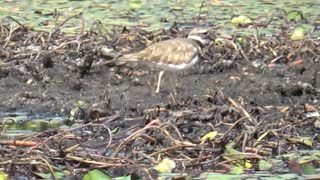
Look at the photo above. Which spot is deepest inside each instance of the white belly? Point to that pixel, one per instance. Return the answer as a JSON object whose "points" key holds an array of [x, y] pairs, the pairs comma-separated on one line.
{"points": [[174, 67]]}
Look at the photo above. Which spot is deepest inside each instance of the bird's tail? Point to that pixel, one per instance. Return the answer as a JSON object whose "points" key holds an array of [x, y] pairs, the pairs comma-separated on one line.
{"points": [[121, 60]]}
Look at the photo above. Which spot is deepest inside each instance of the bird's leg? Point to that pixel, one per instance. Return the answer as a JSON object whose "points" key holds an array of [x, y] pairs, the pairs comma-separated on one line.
{"points": [[159, 81]]}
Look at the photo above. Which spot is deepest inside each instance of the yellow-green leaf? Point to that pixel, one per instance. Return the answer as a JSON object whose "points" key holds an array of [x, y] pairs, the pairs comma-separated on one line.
{"points": [[237, 154], [305, 159], [294, 15], [264, 165], [165, 166], [308, 169], [240, 20], [247, 164], [237, 170], [3, 176], [307, 141], [209, 136], [96, 175], [298, 33]]}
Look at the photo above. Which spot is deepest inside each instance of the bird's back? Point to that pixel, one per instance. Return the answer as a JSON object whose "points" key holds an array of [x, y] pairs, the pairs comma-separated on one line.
{"points": [[170, 54]]}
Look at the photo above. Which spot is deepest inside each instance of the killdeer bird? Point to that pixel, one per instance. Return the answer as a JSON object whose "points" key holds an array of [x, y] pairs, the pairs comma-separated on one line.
{"points": [[170, 55]]}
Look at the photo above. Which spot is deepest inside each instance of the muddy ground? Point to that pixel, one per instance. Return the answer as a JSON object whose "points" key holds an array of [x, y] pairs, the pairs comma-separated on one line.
{"points": [[55, 81], [270, 79]]}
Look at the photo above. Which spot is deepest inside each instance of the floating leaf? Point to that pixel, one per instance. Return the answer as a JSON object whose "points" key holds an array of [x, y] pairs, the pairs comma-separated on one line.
{"points": [[209, 136], [236, 156], [135, 4], [96, 175], [241, 20], [177, 8], [308, 169], [165, 166], [264, 165], [298, 33], [237, 170], [294, 15]]}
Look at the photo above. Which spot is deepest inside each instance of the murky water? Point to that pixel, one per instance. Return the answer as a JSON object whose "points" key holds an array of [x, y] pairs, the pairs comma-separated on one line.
{"points": [[149, 14], [24, 123]]}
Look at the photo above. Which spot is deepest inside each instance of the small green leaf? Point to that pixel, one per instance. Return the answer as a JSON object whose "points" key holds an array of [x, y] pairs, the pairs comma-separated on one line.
{"points": [[264, 165], [298, 33], [177, 8], [115, 130], [294, 15], [237, 170], [165, 166], [231, 151], [3, 176], [308, 169], [307, 141], [211, 135], [96, 175], [241, 20]]}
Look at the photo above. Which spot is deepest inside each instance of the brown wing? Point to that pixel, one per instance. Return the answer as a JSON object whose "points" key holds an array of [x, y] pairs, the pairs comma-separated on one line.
{"points": [[126, 58], [174, 51]]}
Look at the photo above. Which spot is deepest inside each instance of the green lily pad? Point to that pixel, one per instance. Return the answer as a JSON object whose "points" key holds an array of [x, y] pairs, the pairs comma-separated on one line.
{"points": [[241, 20], [96, 175]]}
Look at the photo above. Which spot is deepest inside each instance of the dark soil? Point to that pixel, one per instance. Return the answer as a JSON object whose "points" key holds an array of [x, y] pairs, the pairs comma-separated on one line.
{"points": [[270, 81], [55, 78]]}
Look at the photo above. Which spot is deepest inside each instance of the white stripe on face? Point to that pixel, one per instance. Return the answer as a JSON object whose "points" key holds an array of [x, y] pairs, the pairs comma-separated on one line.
{"points": [[198, 38]]}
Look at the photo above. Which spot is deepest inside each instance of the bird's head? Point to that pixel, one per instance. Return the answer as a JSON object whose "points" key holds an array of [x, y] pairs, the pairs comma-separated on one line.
{"points": [[200, 35]]}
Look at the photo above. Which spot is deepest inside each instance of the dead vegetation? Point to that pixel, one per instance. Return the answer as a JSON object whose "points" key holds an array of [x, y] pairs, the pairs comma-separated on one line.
{"points": [[248, 121]]}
